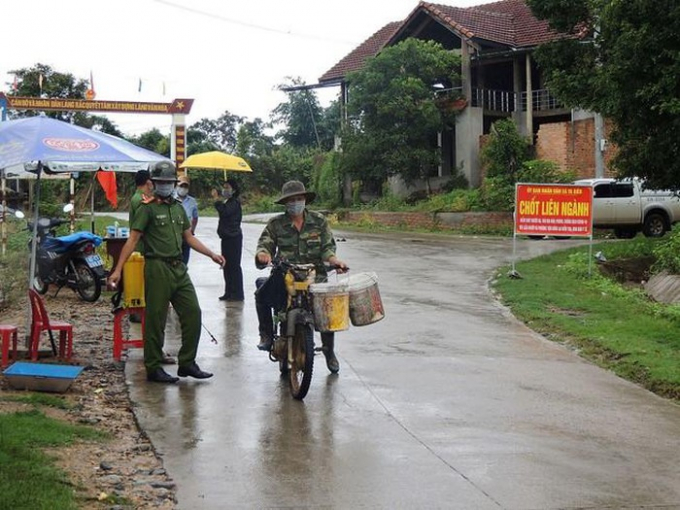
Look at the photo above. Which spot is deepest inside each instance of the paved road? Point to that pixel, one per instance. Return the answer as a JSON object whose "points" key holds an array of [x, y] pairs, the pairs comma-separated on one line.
{"points": [[446, 403]]}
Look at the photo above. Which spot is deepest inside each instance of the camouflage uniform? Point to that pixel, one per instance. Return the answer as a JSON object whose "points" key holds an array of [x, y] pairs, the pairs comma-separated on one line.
{"points": [[314, 244], [166, 281]]}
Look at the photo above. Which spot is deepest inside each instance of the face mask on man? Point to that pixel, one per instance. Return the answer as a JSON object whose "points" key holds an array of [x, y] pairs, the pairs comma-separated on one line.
{"points": [[296, 207], [182, 191], [164, 189], [227, 193]]}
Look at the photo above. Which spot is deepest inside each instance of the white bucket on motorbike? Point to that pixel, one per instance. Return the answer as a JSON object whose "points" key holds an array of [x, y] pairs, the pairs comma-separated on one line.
{"points": [[365, 304], [330, 305]]}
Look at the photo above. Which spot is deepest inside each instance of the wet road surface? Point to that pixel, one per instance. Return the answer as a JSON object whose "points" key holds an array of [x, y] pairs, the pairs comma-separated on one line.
{"points": [[446, 403]]}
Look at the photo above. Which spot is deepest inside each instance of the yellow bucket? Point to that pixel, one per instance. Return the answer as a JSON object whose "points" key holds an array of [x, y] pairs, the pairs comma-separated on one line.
{"points": [[330, 303], [133, 281]]}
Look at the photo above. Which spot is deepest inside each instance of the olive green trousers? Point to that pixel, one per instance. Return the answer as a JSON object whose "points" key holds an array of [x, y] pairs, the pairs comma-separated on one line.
{"points": [[165, 282]]}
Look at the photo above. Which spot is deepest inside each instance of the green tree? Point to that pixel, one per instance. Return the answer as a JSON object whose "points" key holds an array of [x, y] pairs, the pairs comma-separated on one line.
{"points": [[621, 60], [505, 151], [506, 159], [395, 115], [301, 115], [153, 140], [57, 85], [222, 132]]}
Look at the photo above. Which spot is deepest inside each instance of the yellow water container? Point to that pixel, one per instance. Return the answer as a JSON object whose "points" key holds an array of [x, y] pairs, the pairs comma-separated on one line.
{"points": [[133, 281], [330, 306]]}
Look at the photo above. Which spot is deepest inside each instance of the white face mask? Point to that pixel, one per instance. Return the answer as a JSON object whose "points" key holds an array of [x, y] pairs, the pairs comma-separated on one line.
{"points": [[227, 193], [182, 191], [164, 189], [296, 207]]}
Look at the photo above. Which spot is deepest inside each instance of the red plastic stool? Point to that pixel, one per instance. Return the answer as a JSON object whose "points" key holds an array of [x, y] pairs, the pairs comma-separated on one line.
{"points": [[120, 343], [8, 332]]}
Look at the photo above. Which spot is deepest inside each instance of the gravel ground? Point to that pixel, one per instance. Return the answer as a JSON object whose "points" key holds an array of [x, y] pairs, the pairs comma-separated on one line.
{"points": [[124, 472]]}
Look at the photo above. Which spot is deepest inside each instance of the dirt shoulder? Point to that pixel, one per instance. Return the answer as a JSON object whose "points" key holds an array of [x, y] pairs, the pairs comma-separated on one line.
{"points": [[124, 472]]}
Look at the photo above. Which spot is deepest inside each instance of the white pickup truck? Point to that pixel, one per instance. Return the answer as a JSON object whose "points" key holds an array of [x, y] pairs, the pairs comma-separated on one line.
{"points": [[624, 206]]}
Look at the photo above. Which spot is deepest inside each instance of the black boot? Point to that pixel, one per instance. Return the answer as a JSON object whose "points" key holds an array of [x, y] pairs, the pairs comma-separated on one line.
{"points": [[161, 376], [265, 343], [193, 370], [331, 361]]}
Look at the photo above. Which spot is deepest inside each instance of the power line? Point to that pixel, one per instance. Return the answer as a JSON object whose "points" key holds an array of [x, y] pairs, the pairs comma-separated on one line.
{"points": [[250, 25]]}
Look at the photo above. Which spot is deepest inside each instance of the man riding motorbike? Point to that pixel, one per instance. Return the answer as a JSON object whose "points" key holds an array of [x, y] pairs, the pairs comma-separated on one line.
{"points": [[299, 236]]}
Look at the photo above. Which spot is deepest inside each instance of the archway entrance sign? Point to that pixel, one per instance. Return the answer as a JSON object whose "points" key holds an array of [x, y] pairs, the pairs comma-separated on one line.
{"points": [[178, 108]]}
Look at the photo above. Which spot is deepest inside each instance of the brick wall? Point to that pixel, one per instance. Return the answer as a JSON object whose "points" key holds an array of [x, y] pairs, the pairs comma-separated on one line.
{"points": [[551, 143], [572, 146], [429, 220]]}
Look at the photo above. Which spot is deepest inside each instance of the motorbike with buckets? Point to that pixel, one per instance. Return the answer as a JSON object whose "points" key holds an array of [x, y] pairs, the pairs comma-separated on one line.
{"points": [[295, 321], [69, 260]]}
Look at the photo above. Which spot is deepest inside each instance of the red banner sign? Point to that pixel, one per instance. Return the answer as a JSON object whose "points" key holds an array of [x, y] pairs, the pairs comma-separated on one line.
{"points": [[554, 210]]}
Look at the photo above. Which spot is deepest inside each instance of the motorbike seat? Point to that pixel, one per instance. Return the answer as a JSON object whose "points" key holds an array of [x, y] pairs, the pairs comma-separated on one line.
{"points": [[63, 243]]}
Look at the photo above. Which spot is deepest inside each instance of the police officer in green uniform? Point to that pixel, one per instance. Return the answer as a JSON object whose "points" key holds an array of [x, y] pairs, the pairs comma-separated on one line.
{"points": [[299, 236], [162, 224]]}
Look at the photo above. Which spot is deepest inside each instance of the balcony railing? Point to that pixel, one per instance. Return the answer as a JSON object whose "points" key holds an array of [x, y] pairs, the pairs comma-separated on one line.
{"points": [[494, 100], [541, 100], [505, 101]]}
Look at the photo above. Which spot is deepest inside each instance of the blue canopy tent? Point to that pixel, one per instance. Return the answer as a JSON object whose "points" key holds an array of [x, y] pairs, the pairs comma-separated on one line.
{"points": [[45, 145]]}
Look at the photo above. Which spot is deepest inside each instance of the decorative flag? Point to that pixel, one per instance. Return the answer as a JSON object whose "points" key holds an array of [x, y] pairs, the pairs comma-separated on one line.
{"points": [[108, 184], [15, 85], [40, 82], [139, 89], [163, 88], [90, 94]]}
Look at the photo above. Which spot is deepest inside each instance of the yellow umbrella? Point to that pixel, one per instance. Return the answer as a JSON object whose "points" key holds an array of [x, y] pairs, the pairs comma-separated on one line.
{"points": [[216, 160]]}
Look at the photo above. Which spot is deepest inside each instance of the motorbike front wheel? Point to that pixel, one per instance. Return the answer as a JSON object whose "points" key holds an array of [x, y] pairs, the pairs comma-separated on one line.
{"points": [[40, 285], [88, 286], [301, 360]]}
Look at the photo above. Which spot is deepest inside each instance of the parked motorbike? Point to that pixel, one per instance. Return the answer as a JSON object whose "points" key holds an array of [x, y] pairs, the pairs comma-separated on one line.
{"points": [[293, 346], [68, 260], [10, 211]]}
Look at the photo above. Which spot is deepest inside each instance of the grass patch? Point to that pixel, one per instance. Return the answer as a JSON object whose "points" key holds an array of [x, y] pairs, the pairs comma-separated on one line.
{"points": [[617, 327], [28, 477], [368, 224], [39, 399]]}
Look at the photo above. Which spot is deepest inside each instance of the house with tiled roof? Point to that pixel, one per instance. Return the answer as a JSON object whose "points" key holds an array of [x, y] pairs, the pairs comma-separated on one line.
{"points": [[499, 79]]}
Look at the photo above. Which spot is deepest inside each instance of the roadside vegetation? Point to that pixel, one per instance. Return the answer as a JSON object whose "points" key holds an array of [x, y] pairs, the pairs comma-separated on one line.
{"points": [[604, 314], [28, 476]]}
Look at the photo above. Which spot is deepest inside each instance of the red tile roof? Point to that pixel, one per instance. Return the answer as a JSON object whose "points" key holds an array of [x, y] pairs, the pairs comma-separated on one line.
{"points": [[355, 60], [507, 22]]}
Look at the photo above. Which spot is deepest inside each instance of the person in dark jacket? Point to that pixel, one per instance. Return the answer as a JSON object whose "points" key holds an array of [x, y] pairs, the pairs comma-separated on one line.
{"points": [[229, 230]]}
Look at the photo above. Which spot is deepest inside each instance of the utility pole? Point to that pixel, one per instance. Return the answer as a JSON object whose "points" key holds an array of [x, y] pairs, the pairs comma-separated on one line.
{"points": [[600, 144]]}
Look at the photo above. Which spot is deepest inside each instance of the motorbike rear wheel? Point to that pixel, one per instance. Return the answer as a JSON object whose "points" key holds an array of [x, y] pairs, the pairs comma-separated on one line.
{"points": [[88, 286], [302, 362]]}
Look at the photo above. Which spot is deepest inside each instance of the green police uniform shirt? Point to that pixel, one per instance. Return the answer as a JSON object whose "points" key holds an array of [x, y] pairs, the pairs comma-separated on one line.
{"points": [[163, 225], [135, 204], [312, 245]]}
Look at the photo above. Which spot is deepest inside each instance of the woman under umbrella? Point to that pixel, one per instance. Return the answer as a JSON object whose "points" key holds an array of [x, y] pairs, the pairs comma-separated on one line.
{"points": [[229, 230]]}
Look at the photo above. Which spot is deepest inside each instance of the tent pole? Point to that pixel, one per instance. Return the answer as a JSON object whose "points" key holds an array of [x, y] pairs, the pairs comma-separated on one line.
{"points": [[72, 201], [3, 220], [94, 176], [34, 249]]}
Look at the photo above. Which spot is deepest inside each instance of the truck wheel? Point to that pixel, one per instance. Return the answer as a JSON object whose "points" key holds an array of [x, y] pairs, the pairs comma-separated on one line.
{"points": [[655, 225]]}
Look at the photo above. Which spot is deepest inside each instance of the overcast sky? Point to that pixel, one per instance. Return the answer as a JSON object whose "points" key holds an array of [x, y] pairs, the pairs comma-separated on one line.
{"points": [[225, 54]]}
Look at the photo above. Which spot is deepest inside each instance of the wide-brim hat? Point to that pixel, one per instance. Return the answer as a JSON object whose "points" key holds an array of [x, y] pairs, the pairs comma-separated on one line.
{"points": [[293, 188]]}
